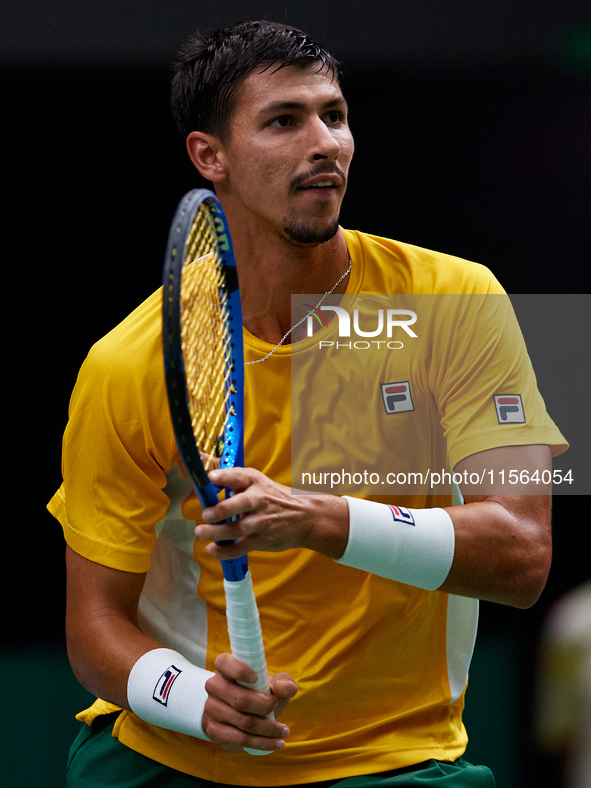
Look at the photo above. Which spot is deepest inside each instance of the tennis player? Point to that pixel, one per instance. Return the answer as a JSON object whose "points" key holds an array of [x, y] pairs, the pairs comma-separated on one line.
{"points": [[368, 606]]}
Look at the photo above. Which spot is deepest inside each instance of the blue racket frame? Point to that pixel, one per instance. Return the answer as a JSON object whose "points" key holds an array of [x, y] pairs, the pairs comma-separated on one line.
{"points": [[174, 366]]}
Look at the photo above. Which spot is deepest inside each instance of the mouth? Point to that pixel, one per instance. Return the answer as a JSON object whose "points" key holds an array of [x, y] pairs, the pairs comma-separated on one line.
{"points": [[321, 189], [320, 185], [322, 182]]}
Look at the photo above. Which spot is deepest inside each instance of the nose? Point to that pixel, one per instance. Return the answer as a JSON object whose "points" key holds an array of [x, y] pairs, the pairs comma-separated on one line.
{"points": [[324, 143]]}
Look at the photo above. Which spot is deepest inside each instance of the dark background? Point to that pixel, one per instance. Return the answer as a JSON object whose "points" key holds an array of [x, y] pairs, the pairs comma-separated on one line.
{"points": [[472, 122]]}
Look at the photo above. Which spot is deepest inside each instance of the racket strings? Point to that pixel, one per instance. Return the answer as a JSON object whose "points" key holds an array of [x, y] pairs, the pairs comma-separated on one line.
{"points": [[206, 338]]}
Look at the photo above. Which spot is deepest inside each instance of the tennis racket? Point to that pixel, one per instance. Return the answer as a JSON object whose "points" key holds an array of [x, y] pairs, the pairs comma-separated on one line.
{"points": [[204, 368]]}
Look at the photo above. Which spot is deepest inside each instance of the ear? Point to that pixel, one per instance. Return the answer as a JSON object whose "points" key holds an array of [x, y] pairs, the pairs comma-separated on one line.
{"points": [[206, 153]]}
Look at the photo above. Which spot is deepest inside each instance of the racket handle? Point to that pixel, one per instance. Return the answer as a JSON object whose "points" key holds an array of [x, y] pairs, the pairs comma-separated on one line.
{"points": [[246, 638]]}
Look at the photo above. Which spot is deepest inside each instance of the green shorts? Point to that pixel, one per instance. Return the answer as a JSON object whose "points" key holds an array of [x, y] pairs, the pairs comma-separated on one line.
{"points": [[97, 760]]}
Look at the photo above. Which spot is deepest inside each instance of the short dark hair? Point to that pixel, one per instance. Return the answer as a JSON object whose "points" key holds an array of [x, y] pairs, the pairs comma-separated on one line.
{"points": [[209, 70]]}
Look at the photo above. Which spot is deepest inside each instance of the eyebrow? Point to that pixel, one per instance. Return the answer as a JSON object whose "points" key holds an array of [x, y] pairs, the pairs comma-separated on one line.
{"points": [[279, 106]]}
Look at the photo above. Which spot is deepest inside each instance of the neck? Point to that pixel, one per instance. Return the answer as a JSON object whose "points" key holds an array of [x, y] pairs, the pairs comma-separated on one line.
{"points": [[271, 270]]}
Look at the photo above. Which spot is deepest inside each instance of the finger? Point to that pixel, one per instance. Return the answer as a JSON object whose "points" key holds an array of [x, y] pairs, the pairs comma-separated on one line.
{"points": [[233, 669], [233, 478], [241, 699], [252, 724], [221, 532], [233, 506], [234, 739], [209, 461], [283, 686], [229, 552]]}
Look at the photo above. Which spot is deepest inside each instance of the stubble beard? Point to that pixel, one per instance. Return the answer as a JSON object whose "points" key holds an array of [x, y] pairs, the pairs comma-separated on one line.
{"points": [[304, 234]]}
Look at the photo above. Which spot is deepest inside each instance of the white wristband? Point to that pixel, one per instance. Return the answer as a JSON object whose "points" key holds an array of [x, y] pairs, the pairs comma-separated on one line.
{"points": [[412, 546], [165, 689]]}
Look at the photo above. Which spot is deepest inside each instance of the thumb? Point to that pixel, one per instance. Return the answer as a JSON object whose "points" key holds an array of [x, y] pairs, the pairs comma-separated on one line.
{"points": [[284, 688]]}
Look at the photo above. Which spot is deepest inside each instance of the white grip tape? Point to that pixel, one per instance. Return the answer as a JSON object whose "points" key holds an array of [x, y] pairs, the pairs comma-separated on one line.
{"points": [[166, 690], [246, 638], [412, 546]]}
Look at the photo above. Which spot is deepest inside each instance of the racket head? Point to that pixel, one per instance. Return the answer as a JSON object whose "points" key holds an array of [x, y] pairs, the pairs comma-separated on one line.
{"points": [[202, 339]]}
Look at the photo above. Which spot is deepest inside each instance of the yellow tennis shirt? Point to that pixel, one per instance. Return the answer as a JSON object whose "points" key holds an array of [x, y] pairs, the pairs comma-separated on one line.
{"points": [[381, 666]]}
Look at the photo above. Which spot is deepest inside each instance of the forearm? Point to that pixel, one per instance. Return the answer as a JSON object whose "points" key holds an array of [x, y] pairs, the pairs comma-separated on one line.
{"points": [[503, 542], [494, 547], [103, 653], [499, 549], [103, 639], [114, 660], [502, 549]]}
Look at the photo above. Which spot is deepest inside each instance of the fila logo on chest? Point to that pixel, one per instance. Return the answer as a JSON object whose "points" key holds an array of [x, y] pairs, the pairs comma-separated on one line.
{"points": [[397, 397]]}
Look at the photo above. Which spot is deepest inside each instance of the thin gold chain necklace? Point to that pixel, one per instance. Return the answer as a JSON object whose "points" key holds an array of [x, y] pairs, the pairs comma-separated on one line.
{"points": [[299, 323]]}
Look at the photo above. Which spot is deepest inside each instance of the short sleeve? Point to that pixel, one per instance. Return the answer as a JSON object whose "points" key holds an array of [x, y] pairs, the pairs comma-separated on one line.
{"points": [[483, 380], [117, 447]]}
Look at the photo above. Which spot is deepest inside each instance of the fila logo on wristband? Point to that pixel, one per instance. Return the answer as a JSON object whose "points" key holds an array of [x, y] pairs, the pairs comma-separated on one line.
{"points": [[402, 515], [164, 684], [509, 409]]}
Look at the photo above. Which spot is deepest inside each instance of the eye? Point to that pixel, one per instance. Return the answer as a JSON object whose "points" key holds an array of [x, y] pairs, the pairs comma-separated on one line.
{"points": [[282, 122], [334, 117]]}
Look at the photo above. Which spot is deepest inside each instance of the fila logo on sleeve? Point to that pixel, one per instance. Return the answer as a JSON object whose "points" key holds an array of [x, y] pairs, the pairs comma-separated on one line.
{"points": [[397, 397], [509, 409], [164, 684]]}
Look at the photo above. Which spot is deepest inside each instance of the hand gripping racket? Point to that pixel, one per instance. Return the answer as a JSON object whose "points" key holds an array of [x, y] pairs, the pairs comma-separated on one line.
{"points": [[204, 368]]}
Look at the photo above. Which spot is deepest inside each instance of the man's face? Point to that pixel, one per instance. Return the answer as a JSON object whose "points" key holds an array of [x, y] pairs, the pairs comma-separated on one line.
{"points": [[288, 152]]}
